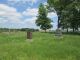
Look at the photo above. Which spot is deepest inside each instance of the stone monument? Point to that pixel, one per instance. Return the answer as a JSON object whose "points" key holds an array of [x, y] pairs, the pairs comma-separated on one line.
{"points": [[58, 32]]}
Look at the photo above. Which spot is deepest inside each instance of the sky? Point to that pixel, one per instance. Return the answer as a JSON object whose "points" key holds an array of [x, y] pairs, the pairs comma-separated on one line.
{"points": [[22, 14]]}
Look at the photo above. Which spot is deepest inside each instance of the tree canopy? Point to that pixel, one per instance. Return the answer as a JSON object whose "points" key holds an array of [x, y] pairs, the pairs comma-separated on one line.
{"points": [[68, 12], [42, 20]]}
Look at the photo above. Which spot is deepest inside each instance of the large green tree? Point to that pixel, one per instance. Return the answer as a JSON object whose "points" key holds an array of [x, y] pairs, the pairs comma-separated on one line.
{"points": [[65, 24], [42, 20], [68, 12], [72, 13], [59, 6]]}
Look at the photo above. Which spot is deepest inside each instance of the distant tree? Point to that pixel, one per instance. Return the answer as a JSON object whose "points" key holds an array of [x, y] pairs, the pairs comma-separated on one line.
{"points": [[42, 20]]}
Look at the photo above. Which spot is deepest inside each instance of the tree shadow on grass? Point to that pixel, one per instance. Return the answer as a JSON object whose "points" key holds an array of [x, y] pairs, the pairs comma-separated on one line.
{"points": [[72, 33], [67, 33], [64, 33]]}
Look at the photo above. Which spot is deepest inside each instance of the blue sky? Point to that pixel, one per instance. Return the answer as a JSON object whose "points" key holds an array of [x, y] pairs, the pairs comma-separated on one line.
{"points": [[22, 13]]}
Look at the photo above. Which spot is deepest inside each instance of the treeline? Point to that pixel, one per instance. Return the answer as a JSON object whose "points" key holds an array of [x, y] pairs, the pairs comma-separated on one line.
{"points": [[16, 30], [29, 29]]}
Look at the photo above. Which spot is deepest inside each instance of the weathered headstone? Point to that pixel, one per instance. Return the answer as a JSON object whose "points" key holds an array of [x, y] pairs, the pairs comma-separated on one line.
{"points": [[29, 35], [58, 33]]}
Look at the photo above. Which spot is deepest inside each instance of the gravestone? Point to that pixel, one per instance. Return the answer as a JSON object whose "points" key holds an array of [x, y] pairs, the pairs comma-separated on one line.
{"points": [[58, 33], [29, 35]]}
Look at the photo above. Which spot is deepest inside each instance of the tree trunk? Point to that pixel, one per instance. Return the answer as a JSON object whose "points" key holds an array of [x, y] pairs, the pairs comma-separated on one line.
{"points": [[73, 29], [67, 30], [59, 17], [77, 28], [58, 21]]}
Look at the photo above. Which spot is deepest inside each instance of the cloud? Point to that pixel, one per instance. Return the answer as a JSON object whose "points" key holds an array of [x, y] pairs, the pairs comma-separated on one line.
{"points": [[30, 22], [10, 17], [52, 15], [22, 1], [2, 20], [45, 3], [31, 12], [34, 12], [8, 13]]}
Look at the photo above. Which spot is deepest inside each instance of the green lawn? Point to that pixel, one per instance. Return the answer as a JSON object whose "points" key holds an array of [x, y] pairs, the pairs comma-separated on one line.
{"points": [[45, 46]]}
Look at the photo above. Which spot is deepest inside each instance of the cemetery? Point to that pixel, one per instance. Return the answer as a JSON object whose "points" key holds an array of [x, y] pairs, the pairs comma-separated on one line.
{"points": [[39, 30], [43, 47]]}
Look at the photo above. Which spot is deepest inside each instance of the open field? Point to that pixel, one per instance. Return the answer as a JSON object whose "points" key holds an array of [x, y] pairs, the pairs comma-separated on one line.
{"points": [[45, 46]]}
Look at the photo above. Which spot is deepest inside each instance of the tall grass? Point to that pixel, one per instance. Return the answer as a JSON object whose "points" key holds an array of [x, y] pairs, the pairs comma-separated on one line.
{"points": [[45, 46]]}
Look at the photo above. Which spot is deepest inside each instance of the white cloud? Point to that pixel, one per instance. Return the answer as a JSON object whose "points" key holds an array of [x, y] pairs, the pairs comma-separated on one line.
{"points": [[22, 1], [30, 22], [10, 17], [2, 20], [45, 3], [9, 14], [34, 12], [31, 12], [52, 14]]}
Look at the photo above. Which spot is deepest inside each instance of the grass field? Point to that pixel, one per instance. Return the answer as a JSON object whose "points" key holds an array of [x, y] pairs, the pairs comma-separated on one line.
{"points": [[45, 46]]}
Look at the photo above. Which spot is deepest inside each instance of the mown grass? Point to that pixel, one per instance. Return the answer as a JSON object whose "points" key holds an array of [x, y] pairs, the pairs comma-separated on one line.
{"points": [[45, 46]]}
